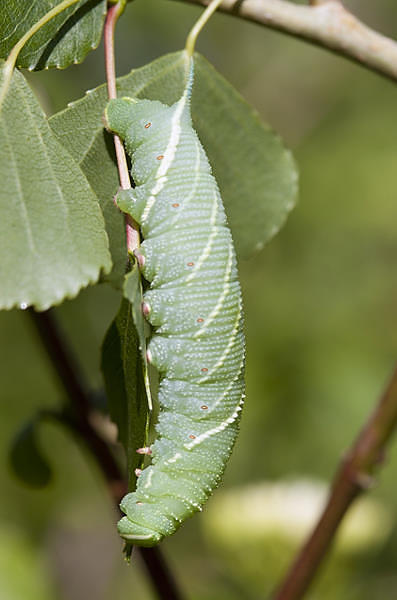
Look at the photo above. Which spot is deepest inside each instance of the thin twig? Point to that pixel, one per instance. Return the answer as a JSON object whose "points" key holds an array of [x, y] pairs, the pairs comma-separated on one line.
{"points": [[132, 230], [76, 416], [76, 412], [110, 67], [325, 23], [354, 476], [158, 570]]}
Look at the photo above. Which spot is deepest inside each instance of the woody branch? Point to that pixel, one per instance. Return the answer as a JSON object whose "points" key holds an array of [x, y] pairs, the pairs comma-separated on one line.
{"points": [[326, 23]]}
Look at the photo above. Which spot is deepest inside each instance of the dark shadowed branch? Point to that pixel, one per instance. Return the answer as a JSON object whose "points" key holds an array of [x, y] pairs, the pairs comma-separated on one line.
{"points": [[76, 416], [355, 475]]}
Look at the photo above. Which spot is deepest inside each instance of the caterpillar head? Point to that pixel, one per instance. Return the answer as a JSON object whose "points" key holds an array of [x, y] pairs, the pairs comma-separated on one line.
{"points": [[135, 121]]}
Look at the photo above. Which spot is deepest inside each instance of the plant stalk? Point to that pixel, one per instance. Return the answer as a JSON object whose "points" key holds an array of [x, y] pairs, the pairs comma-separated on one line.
{"points": [[132, 229], [325, 23], [76, 411], [76, 416], [354, 476], [158, 570], [198, 26]]}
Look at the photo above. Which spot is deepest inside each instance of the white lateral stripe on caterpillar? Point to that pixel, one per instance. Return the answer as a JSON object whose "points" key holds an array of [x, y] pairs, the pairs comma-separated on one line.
{"points": [[173, 459], [229, 387], [228, 347], [170, 152], [149, 479], [226, 287], [192, 192], [207, 434], [169, 156], [152, 198], [206, 252], [200, 350]]}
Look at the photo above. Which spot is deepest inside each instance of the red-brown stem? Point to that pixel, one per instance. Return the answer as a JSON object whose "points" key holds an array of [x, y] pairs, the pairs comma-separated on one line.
{"points": [[132, 230], [110, 66], [158, 570], [355, 475]]}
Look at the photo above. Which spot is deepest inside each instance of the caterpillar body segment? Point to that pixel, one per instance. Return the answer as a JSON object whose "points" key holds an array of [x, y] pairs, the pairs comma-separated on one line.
{"points": [[194, 305]]}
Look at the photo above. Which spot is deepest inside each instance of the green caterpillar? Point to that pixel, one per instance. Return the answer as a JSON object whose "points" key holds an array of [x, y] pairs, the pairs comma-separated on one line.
{"points": [[194, 305]]}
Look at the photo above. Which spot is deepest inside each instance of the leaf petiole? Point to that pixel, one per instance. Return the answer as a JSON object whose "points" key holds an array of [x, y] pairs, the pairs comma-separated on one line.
{"points": [[198, 26]]}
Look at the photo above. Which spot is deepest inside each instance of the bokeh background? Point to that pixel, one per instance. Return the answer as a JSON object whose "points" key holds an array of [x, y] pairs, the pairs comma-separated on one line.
{"points": [[321, 330]]}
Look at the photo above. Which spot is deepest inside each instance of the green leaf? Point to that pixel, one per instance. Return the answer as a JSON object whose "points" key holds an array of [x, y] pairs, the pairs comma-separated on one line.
{"points": [[81, 132], [26, 458], [256, 174], [123, 373], [132, 290], [52, 236], [64, 40]]}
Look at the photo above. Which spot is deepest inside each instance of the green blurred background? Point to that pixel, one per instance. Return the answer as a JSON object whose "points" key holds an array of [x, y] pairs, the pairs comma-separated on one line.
{"points": [[320, 322]]}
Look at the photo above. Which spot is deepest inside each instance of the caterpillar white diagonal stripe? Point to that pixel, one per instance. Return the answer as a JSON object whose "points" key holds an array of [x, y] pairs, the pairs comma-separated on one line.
{"points": [[194, 305], [168, 157], [207, 248]]}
